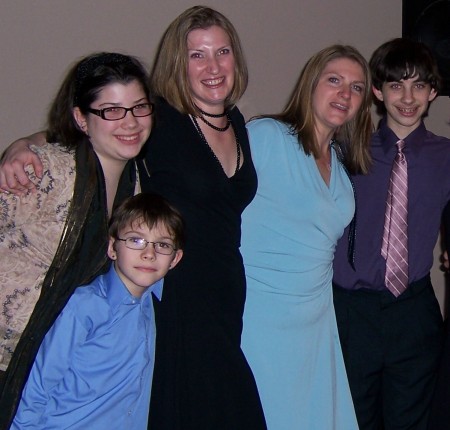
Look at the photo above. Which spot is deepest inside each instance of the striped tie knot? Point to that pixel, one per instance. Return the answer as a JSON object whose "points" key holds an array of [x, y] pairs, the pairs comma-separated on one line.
{"points": [[400, 145]]}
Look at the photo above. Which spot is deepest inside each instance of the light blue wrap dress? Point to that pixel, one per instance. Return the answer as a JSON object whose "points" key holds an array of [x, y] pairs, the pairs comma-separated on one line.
{"points": [[289, 234]]}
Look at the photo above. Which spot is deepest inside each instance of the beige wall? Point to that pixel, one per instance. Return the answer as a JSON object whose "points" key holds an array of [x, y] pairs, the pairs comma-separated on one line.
{"points": [[39, 38]]}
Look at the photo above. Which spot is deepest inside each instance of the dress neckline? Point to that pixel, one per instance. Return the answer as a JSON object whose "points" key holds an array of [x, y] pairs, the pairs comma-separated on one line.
{"points": [[238, 146]]}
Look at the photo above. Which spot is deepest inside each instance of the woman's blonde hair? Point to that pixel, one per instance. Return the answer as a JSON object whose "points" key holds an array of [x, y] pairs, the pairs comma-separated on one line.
{"points": [[353, 136], [169, 77]]}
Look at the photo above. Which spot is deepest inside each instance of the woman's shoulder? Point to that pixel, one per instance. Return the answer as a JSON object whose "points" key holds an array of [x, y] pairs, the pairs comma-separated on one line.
{"points": [[168, 121], [58, 163], [268, 130], [268, 137], [236, 115], [53, 154], [165, 111], [269, 125]]}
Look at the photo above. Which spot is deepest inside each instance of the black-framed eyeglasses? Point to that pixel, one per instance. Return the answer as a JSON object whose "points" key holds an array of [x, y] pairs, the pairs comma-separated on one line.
{"points": [[139, 244], [115, 113]]}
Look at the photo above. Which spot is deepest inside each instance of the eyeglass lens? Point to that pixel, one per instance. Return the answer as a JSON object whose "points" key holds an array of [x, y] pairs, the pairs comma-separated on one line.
{"points": [[115, 113], [140, 244]]}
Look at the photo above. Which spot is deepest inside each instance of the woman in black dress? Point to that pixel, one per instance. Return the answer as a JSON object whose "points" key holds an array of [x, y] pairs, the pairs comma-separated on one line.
{"points": [[198, 158]]}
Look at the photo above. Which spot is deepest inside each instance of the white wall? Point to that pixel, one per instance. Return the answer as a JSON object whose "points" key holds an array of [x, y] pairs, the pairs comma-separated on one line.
{"points": [[40, 38]]}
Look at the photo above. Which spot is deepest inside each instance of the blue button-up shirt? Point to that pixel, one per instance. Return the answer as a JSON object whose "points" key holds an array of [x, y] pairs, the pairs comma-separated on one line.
{"points": [[428, 158], [94, 368]]}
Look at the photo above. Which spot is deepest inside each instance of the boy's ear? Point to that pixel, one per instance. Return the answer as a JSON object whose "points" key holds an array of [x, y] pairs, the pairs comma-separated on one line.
{"points": [[177, 258], [378, 93], [433, 94], [80, 119], [111, 251]]}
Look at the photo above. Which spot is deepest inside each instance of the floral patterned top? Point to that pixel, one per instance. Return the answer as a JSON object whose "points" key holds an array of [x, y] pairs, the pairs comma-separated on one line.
{"points": [[30, 232]]}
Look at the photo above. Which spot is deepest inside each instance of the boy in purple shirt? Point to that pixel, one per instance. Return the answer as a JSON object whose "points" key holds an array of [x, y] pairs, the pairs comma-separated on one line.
{"points": [[391, 344], [94, 368]]}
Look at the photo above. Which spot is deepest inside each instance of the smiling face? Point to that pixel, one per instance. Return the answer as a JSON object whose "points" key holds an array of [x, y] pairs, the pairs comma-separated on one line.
{"points": [[116, 141], [139, 269], [406, 102], [211, 67], [338, 95]]}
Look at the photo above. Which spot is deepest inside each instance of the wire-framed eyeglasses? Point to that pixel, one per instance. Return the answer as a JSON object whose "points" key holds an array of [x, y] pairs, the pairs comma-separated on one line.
{"points": [[139, 244], [114, 113]]}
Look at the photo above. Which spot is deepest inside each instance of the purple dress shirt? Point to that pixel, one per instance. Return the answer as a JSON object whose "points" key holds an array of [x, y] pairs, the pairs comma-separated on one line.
{"points": [[428, 159]]}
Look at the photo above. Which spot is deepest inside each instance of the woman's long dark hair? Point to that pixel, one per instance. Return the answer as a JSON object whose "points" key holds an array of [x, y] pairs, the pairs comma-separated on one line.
{"points": [[81, 87]]}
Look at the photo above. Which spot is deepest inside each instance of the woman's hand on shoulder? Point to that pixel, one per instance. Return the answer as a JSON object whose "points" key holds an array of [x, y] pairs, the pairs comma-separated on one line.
{"points": [[13, 177]]}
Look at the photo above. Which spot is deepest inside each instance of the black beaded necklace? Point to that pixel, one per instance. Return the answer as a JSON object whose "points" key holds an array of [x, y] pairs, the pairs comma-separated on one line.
{"points": [[221, 129], [212, 115], [203, 138]]}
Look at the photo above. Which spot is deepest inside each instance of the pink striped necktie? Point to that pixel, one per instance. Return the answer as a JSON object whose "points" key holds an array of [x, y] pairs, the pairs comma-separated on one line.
{"points": [[394, 248]]}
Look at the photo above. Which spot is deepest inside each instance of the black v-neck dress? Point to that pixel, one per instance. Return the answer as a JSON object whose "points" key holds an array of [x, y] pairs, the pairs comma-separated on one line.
{"points": [[201, 379]]}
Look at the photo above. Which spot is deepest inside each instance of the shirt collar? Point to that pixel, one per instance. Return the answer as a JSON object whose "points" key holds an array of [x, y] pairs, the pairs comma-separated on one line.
{"points": [[412, 142], [117, 294]]}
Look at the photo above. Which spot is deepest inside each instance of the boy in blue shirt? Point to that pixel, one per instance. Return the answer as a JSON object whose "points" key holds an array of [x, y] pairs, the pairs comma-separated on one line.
{"points": [[94, 368]]}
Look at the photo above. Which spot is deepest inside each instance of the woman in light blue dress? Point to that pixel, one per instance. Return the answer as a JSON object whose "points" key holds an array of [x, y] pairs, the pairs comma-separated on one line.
{"points": [[289, 233]]}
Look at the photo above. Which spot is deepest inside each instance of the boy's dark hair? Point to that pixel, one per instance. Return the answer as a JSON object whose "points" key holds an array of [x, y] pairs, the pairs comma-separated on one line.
{"points": [[81, 88], [403, 58], [150, 210]]}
